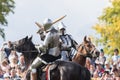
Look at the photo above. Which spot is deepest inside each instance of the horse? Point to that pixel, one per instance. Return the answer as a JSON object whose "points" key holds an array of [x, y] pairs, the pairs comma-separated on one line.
{"points": [[67, 70], [85, 49], [27, 48], [60, 70]]}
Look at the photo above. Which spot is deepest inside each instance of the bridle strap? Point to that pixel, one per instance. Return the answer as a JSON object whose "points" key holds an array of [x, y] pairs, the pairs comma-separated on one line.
{"points": [[88, 52], [30, 51], [92, 50], [14, 48]]}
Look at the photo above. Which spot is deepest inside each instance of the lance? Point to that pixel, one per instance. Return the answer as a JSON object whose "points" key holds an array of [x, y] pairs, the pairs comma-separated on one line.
{"points": [[42, 27]]}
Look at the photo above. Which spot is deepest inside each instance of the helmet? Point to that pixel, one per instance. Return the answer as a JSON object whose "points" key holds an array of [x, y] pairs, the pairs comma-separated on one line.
{"points": [[61, 26], [47, 23]]}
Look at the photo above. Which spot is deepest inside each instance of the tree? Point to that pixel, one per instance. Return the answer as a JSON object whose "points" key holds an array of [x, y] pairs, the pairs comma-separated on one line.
{"points": [[6, 6], [109, 27]]}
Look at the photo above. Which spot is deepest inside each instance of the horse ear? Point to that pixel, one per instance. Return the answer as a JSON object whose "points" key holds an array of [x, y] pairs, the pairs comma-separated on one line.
{"points": [[30, 38], [85, 40], [26, 37], [89, 39]]}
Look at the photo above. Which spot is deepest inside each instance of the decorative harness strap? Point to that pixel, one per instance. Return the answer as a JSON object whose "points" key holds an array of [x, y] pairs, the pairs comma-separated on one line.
{"points": [[90, 52], [48, 72]]}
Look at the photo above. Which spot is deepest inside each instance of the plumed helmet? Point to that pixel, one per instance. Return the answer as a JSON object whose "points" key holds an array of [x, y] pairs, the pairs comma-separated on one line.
{"points": [[47, 23], [61, 26]]}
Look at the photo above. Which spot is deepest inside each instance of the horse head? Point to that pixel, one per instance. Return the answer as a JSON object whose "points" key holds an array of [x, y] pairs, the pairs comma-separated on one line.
{"points": [[23, 44], [85, 49], [27, 48]]}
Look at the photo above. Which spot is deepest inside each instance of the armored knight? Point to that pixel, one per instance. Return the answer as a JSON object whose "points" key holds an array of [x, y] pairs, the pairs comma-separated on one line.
{"points": [[51, 46], [68, 44]]}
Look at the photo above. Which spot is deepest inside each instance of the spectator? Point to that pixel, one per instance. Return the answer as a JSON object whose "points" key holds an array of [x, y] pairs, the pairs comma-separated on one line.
{"points": [[95, 76], [119, 68], [19, 72], [5, 66], [101, 59], [99, 70], [106, 76], [13, 75], [1, 73], [13, 62], [8, 48], [107, 66], [115, 57], [2, 55], [21, 63], [92, 69], [116, 74], [7, 76], [88, 63], [13, 54]]}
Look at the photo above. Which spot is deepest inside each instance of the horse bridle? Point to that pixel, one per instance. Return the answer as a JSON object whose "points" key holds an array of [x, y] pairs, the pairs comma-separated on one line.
{"points": [[14, 48]]}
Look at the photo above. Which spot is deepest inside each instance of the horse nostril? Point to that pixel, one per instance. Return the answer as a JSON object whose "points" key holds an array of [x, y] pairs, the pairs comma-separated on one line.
{"points": [[97, 53]]}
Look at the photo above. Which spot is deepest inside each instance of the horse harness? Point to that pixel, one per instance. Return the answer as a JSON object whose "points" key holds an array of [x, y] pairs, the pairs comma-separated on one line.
{"points": [[89, 52]]}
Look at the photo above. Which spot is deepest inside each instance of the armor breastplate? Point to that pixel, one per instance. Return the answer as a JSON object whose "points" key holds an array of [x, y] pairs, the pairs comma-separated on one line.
{"points": [[52, 43]]}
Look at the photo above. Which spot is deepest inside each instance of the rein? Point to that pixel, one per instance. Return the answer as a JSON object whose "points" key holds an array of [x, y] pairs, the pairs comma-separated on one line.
{"points": [[23, 50], [30, 51]]}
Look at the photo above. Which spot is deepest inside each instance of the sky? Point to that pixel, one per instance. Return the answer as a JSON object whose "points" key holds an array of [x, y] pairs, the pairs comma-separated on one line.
{"points": [[81, 16]]}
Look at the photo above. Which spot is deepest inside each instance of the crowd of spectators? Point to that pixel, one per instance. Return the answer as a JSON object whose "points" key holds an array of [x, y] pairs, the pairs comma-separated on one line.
{"points": [[12, 65], [104, 68]]}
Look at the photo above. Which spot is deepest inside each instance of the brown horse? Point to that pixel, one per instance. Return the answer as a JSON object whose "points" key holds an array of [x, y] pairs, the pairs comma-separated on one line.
{"points": [[86, 49]]}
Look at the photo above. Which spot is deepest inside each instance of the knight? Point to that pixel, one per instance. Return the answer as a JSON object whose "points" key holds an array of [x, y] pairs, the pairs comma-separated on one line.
{"points": [[68, 44], [50, 47]]}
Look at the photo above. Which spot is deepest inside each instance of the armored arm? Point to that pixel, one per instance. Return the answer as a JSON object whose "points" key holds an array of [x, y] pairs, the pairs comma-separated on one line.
{"points": [[74, 43]]}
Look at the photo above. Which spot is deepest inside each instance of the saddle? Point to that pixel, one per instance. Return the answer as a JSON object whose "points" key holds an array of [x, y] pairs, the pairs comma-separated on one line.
{"points": [[51, 66], [46, 71]]}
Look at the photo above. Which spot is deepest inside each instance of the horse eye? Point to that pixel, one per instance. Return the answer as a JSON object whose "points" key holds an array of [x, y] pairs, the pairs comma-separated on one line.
{"points": [[89, 45], [20, 42]]}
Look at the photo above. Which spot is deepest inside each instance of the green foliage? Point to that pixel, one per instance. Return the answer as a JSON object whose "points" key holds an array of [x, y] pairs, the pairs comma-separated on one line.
{"points": [[109, 27], [2, 33], [111, 13], [6, 6]]}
